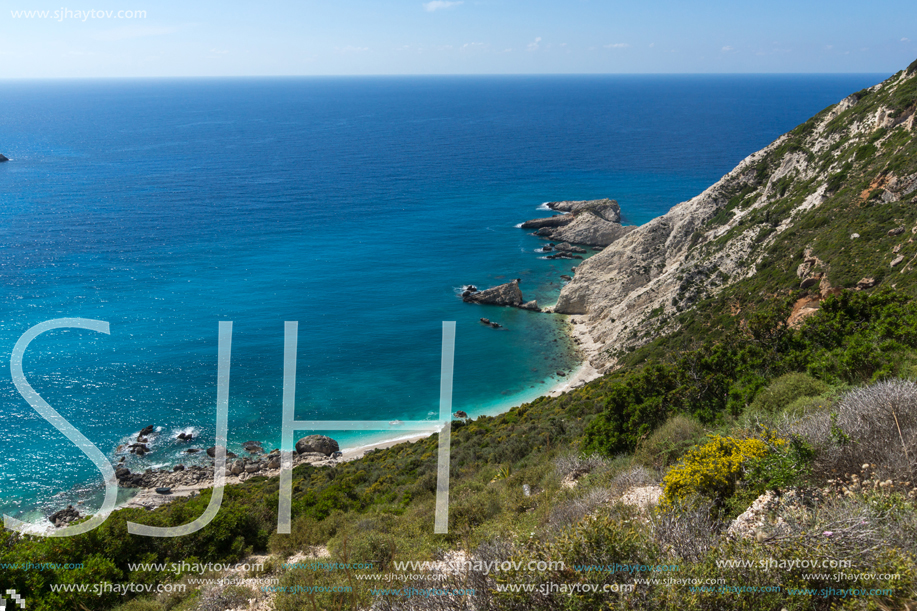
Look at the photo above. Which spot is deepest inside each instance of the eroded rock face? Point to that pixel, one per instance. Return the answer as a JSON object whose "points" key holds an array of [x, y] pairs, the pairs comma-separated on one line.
{"points": [[592, 222], [318, 444], [508, 294]]}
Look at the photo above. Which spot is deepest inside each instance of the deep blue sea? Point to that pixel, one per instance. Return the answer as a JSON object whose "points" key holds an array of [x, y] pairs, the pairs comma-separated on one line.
{"points": [[356, 206]]}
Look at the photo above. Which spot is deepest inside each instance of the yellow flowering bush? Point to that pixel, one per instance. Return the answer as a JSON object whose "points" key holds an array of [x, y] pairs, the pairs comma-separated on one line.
{"points": [[712, 469]]}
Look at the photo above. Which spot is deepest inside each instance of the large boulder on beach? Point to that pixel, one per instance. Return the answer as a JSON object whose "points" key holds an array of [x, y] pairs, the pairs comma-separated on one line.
{"points": [[508, 294], [317, 444]]}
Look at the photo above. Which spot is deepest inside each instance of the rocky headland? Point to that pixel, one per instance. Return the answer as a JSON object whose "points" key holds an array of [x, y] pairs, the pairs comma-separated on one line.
{"points": [[591, 223]]}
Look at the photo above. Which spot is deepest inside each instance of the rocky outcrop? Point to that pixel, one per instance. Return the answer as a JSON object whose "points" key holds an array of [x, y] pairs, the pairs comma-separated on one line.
{"points": [[64, 516], [3, 158], [508, 294], [593, 222], [552, 221], [317, 444]]}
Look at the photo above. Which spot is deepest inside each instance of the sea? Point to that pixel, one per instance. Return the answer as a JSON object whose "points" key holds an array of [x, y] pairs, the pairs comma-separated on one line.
{"points": [[358, 207]]}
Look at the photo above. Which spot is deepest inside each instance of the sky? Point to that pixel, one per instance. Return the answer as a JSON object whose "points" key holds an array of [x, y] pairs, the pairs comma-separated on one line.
{"points": [[188, 38]]}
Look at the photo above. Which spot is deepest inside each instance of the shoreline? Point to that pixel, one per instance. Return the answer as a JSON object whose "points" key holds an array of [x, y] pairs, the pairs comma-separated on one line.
{"points": [[584, 347]]}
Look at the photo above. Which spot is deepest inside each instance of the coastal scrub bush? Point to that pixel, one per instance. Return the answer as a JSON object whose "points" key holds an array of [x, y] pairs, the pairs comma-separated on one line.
{"points": [[686, 530], [667, 443], [874, 424], [713, 469], [786, 389]]}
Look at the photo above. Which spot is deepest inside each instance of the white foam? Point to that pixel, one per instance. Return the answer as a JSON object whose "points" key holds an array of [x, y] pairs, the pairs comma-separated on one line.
{"points": [[519, 226], [543, 206]]}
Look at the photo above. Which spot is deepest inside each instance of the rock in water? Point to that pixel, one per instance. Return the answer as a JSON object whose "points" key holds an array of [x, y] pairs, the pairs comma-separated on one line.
{"points": [[317, 443], [3, 158], [507, 294], [551, 221], [64, 516], [531, 305]]}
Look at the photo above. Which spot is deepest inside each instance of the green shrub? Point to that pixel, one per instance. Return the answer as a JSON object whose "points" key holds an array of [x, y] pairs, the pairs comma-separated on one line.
{"points": [[670, 441], [785, 390]]}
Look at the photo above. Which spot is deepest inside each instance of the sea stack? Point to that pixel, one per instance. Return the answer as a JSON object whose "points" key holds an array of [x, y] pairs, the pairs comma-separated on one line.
{"points": [[3, 158], [507, 294]]}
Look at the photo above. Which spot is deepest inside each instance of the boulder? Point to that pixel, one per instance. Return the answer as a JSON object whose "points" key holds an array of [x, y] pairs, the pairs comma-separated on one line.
{"points": [[274, 463], [212, 452], [895, 231], [486, 321], [177, 468], [252, 467], [253, 447], [3, 158], [865, 283], [531, 305], [565, 277], [460, 414], [185, 437], [897, 260], [64, 516], [507, 294], [237, 467], [145, 431], [547, 248], [317, 443]]}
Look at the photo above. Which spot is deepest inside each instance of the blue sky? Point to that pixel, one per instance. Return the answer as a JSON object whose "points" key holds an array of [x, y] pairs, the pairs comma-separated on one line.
{"points": [[347, 37]]}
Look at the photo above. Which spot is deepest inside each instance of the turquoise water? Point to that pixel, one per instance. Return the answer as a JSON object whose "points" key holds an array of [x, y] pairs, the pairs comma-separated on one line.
{"points": [[358, 207]]}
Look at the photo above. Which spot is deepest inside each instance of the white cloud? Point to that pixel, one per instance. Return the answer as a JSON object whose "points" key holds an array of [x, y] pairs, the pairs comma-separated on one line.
{"points": [[652, 44], [727, 48], [468, 46], [127, 32], [435, 5], [533, 46], [617, 45], [905, 40]]}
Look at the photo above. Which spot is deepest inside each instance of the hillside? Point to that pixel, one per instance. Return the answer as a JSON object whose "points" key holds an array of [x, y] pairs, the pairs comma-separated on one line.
{"points": [[829, 205]]}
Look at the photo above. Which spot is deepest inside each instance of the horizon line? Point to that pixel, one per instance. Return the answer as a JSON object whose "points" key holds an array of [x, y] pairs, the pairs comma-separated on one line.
{"points": [[429, 75]]}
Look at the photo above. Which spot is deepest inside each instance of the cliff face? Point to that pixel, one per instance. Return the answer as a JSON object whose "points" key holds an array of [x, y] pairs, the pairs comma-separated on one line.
{"points": [[818, 208]]}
